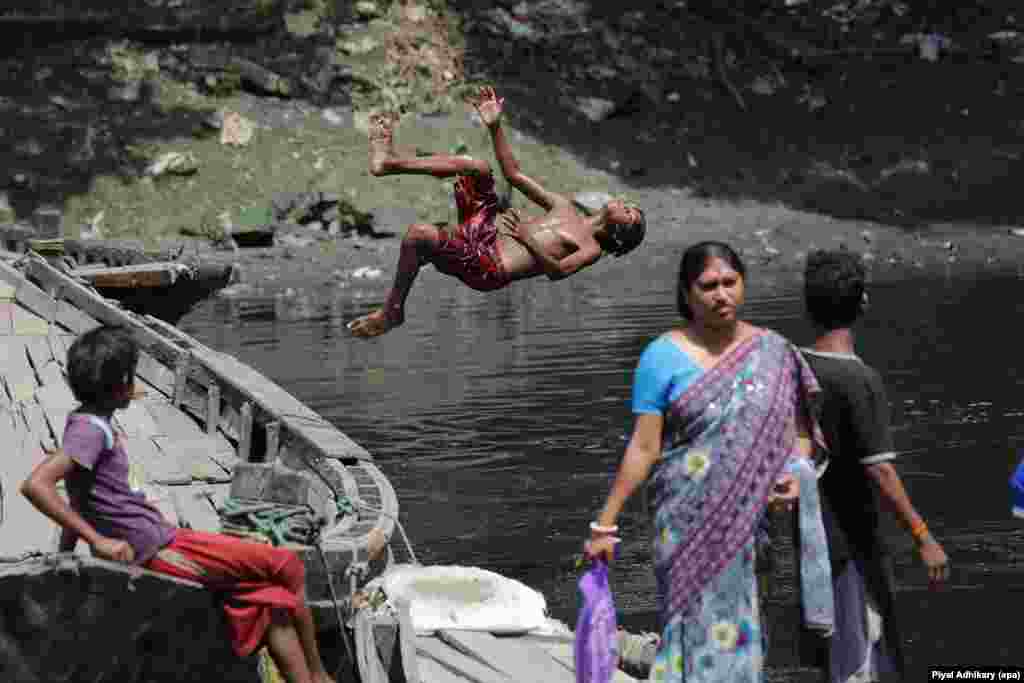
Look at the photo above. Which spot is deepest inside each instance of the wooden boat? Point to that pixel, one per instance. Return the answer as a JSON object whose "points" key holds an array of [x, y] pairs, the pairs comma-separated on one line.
{"points": [[205, 415]]}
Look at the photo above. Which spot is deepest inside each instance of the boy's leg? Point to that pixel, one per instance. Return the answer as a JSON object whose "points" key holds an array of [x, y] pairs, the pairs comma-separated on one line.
{"points": [[302, 617], [418, 246], [384, 161], [286, 649]]}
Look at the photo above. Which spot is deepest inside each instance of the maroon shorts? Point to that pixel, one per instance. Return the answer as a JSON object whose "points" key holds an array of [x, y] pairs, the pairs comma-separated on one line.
{"points": [[470, 253], [252, 578]]}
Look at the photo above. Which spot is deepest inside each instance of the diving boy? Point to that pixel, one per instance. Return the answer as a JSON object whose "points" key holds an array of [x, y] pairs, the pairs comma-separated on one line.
{"points": [[491, 248]]}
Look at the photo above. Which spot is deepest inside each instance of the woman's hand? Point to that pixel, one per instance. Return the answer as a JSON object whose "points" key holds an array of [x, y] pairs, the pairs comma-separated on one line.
{"points": [[784, 494], [489, 106], [601, 547]]}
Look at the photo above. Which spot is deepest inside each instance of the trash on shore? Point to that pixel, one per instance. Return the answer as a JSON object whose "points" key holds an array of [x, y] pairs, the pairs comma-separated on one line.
{"points": [[236, 129], [173, 163], [367, 272]]}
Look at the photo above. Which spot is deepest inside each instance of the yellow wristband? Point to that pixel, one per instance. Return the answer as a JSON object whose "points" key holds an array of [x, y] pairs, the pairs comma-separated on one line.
{"points": [[919, 530]]}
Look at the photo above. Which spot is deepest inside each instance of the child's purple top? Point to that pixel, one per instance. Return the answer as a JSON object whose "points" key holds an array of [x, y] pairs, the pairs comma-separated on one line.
{"points": [[100, 490]]}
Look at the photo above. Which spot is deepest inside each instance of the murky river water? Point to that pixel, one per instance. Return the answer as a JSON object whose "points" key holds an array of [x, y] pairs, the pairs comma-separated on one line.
{"points": [[501, 418]]}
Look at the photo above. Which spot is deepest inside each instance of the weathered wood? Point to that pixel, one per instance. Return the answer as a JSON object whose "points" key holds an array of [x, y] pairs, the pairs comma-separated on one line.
{"points": [[433, 672], [7, 317], [130, 277], [28, 323], [180, 377], [74, 319], [245, 437], [25, 529], [468, 667], [16, 370], [407, 643], [59, 345], [153, 465], [195, 507], [156, 374], [26, 293], [212, 407], [273, 430], [194, 456], [514, 657], [170, 421], [57, 402], [135, 420]]}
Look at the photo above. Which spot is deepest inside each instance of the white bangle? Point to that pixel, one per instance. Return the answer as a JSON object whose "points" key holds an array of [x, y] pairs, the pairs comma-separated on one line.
{"points": [[597, 528]]}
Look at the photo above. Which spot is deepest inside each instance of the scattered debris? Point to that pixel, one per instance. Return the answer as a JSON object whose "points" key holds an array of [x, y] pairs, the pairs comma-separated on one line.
{"points": [[173, 163], [236, 129], [367, 272], [595, 108]]}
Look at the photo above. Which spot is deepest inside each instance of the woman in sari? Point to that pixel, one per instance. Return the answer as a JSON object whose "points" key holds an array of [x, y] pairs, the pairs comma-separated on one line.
{"points": [[723, 420]]}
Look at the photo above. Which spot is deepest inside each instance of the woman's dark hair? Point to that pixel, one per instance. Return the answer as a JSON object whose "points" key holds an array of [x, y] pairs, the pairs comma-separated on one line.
{"points": [[100, 361], [834, 286], [694, 260], [623, 238]]}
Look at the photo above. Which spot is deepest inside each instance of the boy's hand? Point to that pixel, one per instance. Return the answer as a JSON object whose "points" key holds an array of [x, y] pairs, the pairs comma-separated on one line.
{"points": [[113, 550], [935, 560], [489, 106], [601, 547]]}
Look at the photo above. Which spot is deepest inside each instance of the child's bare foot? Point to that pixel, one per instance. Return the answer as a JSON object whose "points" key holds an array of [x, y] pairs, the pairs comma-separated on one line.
{"points": [[382, 128], [375, 324]]}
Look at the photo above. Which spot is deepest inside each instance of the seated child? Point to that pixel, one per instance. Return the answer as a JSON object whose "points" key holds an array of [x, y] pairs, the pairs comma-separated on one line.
{"points": [[263, 586]]}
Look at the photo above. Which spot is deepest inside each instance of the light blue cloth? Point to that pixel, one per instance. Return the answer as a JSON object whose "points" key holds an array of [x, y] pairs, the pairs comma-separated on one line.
{"points": [[816, 595], [662, 375]]}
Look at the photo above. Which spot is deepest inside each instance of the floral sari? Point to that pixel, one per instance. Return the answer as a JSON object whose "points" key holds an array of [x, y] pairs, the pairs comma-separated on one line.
{"points": [[727, 439]]}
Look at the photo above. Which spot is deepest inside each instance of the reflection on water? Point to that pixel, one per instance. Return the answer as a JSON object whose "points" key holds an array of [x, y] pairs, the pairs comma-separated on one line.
{"points": [[500, 418]]}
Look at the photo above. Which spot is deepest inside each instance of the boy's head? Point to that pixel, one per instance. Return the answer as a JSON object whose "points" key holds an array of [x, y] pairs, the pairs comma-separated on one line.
{"points": [[834, 288], [624, 227], [101, 367]]}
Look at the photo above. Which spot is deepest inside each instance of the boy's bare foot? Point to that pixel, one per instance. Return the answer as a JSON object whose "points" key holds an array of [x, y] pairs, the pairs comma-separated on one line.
{"points": [[382, 129], [374, 324]]}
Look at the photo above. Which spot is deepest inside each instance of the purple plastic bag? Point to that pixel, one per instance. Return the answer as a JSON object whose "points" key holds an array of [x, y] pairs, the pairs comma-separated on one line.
{"points": [[597, 640]]}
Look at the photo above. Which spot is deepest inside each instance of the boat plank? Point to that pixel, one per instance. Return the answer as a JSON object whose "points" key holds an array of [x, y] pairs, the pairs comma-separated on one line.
{"points": [[16, 371], [37, 423], [562, 652], [27, 529], [7, 317], [170, 420], [74, 319], [155, 373], [57, 402], [514, 657], [27, 323], [433, 672], [27, 293], [155, 466], [139, 275], [135, 420], [41, 356], [195, 457], [194, 508], [465, 665]]}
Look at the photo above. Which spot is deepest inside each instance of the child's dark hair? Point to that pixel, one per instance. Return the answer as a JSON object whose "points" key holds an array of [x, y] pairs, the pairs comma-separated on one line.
{"points": [[694, 260], [834, 287], [623, 238], [99, 362]]}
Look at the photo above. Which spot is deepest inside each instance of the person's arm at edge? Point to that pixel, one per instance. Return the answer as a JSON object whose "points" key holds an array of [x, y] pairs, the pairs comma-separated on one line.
{"points": [[40, 488], [533, 190], [642, 452], [894, 496]]}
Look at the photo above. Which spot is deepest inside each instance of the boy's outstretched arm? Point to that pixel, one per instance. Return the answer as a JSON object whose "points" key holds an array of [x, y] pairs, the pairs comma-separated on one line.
{"points": [[41, 490], [489, 106]]}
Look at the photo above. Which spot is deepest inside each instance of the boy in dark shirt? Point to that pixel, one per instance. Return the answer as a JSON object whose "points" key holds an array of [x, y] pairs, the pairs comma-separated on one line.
{"points": [[855, 421], [263, 586]]}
